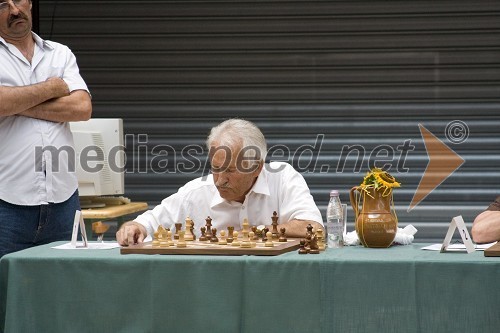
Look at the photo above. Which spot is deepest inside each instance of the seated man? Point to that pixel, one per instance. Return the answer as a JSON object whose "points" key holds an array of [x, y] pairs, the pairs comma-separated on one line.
{"points": [[240, 187], [486, 226]]}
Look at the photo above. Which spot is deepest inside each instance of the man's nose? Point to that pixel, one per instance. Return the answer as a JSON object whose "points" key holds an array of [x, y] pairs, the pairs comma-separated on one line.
{"points": [[221, 179]]}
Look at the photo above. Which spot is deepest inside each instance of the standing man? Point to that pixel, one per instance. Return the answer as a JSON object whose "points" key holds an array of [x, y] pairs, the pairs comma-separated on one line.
{"points": [[241, 186], [41, 90]]}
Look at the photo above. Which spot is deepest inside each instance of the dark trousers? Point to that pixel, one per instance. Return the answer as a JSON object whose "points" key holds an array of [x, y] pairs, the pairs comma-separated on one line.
{"points": [[22, 227]]}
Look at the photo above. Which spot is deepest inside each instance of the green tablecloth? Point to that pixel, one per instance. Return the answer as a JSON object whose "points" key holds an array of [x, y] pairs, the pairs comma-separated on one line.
{"points": [[354, 289]]}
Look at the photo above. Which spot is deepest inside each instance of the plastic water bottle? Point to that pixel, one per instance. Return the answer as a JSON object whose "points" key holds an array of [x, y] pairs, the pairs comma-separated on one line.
{"points": [[334, 221]]}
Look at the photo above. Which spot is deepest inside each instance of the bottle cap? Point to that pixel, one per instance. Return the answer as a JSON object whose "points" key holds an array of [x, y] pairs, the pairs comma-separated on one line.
{"points": [[334, 193]]}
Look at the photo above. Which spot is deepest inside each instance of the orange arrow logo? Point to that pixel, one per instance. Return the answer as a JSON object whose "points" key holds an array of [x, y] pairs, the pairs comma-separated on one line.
{"points": [[443, 161]]}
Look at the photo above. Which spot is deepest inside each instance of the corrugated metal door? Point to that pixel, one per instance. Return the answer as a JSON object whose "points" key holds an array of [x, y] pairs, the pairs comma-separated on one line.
{"points": [[321, 78]]}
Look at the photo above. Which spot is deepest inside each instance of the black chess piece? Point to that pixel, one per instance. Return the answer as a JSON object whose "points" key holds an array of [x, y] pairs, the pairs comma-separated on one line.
{"points": [[208, 225], [302, 249], [214, 238], [264, 234], [282, 235], [313, 245], [203, 237], [230, 237]]}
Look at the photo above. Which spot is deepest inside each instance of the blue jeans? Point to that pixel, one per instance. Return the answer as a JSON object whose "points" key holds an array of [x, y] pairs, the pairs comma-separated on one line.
{"points": [[22, 227]]}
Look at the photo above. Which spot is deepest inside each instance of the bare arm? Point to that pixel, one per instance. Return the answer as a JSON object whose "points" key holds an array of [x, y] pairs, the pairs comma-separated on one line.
{"points": [[75, 107], [297, 228], [18, 99], [486, 227], [131, 233]]}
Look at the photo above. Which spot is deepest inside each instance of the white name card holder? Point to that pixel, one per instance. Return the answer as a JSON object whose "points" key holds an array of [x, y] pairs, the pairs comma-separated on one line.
{"points": [[458, 222], [78, 223]]}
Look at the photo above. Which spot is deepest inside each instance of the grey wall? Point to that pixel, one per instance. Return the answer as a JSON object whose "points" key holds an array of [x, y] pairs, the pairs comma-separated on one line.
{"points": [[350, 72]]}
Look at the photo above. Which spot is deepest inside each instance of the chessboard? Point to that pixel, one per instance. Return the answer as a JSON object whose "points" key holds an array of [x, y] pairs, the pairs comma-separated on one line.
{"points": [[197, 247], [493, 251]]}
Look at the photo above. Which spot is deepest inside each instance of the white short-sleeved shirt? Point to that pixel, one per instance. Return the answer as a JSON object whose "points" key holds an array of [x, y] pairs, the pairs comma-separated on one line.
{"points": [[279, 187], [24, 179]]}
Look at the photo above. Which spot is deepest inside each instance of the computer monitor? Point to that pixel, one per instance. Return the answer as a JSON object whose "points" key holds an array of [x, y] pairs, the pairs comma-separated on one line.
{"points": [[100, 156]]}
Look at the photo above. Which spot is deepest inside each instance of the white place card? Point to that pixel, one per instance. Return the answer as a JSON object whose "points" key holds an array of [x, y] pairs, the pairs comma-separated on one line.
{"points": [[458, 222], [78, 223]]}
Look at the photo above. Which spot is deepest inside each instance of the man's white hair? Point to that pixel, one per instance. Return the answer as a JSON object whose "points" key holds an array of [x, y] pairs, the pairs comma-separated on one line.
{"points": [[239, 133]]}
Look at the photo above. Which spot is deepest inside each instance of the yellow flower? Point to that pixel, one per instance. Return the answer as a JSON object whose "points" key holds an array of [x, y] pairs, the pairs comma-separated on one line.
{"points": [[379, 179]]}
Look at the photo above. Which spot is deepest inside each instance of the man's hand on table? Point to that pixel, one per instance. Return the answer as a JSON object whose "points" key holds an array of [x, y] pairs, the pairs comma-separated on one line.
{"points": [[131, 233]]}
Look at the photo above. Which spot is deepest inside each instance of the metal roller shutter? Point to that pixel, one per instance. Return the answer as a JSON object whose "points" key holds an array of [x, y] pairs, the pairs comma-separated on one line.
{"points": [[326, 74]]}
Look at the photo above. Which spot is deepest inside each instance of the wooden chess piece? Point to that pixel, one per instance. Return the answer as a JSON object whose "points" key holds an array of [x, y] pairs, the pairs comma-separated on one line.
{"points": [[245, 242], [321, 239], [156, 240], [214, 238], [307, 241], [178, 227], [222, 240], [182, 241], [264, 234], [269, 242], [255, 236], [275, 218], [230, 231], [309, 230], [313, 245], [192, 230], [258, 234], [251, 236], [169, 238], [282, 235], [203, 237], [302, 249], [99, 228], [235, 242], [246, 225], [189, 236], [208, 225], [163, 237]]}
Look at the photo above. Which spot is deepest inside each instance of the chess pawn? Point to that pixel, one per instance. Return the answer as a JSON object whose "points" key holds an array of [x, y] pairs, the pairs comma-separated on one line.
{"points": [[230, 231], [222, 240], [189, 236], [269, 242], [282, 235], [182, 241], [251, 236], [203, 237], [178, 227], [235, 242], [169, 238], [214, 238], [302, 249]]}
